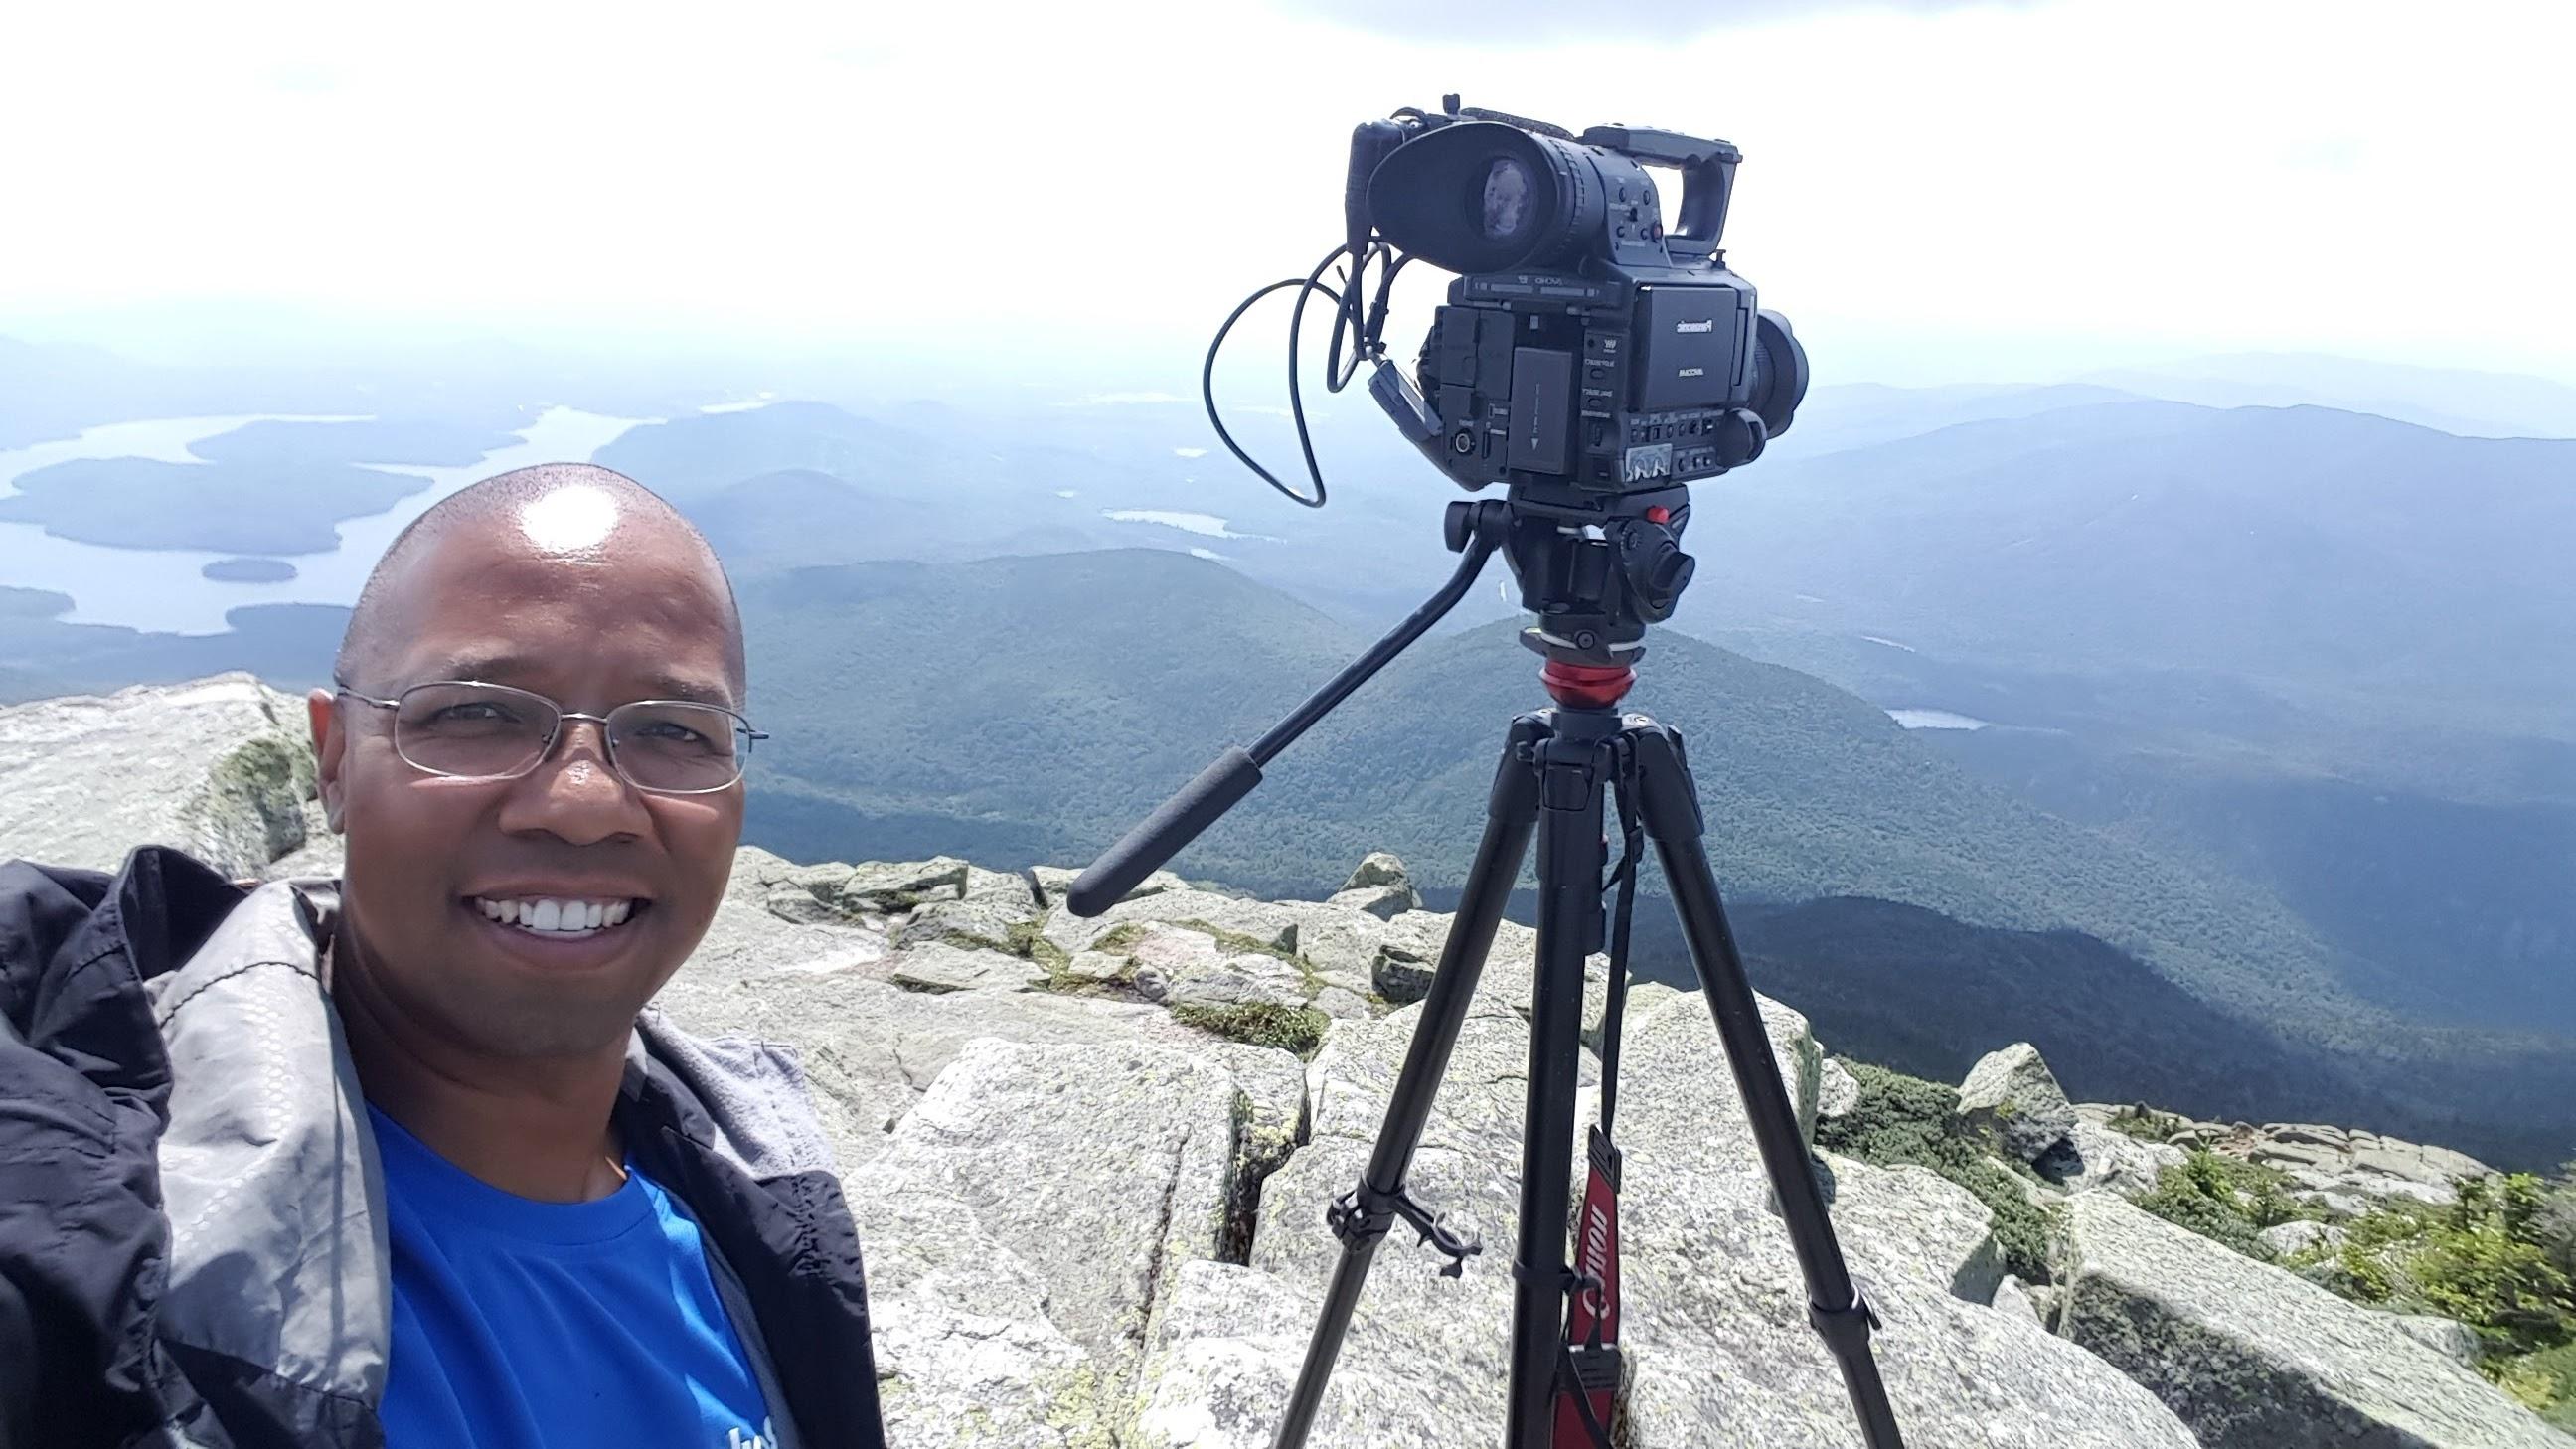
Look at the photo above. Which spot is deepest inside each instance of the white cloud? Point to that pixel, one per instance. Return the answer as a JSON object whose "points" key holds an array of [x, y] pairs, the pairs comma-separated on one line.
{"points": [[1941, 192]]}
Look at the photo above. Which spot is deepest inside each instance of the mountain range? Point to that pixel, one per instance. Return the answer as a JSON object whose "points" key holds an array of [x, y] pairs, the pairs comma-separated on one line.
{"points": [[2265, 734]]}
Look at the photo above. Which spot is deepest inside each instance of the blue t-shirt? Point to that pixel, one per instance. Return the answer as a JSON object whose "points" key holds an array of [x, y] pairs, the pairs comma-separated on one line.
{"points": [[537, 1325]]}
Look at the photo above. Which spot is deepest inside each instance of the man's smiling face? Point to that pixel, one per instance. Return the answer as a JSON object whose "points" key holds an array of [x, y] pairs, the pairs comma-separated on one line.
{"points": [[592, 602]]}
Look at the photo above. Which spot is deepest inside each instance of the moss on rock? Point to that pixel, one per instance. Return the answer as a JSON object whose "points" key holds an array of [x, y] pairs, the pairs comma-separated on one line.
{"points": [[1298, 1029], [1901, 1119]]}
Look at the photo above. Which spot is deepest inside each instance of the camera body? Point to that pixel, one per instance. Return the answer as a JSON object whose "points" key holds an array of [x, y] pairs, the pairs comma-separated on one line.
{"points": [[1583, 345]]}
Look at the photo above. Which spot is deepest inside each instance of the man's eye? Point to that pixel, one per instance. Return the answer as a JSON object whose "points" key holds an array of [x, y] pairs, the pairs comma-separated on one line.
{"points": [[671, 732], [471, 712]]}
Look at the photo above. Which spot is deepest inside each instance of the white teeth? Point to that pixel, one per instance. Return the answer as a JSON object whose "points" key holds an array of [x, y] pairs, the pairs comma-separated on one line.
{"points": [[560, 917]]}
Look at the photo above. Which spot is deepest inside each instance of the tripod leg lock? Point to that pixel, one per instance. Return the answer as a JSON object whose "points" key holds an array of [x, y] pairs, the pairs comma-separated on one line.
{"points": [[1364, 1212], [1845, 1330]]}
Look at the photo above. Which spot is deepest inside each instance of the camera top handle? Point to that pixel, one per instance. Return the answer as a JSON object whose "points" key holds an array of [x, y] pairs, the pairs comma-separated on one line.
{"points": [[1708, 178]]}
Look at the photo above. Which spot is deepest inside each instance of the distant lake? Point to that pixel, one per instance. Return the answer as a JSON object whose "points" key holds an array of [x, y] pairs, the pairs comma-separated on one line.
{"points": [[1938, 719], [1205, 524], [166, 589]]}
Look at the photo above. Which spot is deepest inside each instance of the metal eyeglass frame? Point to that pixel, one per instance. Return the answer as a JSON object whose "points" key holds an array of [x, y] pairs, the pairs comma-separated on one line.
{"points": [[608, 740]]}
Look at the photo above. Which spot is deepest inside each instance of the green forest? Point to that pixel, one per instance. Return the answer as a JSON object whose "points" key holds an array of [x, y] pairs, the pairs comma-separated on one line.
{"points": [[1030, 709]]}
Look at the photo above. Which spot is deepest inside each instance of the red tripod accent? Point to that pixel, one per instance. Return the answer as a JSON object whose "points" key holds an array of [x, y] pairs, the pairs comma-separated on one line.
{"points": [[1586, 686]]}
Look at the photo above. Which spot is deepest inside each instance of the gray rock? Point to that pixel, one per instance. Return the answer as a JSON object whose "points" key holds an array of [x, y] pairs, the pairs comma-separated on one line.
{"points": [[2013, 1300], [805, 894], [869, 1048], [2094, 1156], [1187, 967], [1379, 869], [2350, 1162], [802, 907], [1717, 1328], [321, 855], [1338, 1001], [1381, 887], [963, 1342], [1837, 1091], [1384, 902], [1128, 1152], [1003, 888], [940, 967], [2448, 1337], [750, 937], [888, 887], [1100, 969], [2048, 1300], [220, 768], [1399, 974], [1246, 979], [2347, 1171], [2249, 1355], [2300, 1236], [1920, 1223], [1273, 1084], [1342, 945], [1125, 1150], [991, 921], [2011, 1097], [1260, 923]]}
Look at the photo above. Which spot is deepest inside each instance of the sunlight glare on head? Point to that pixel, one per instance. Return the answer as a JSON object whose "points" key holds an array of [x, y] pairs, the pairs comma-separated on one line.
{"points": [[574, 517]]}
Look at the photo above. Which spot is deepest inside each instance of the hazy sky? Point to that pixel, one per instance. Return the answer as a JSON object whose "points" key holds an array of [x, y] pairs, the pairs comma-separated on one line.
{"points": [[1932, 191]]}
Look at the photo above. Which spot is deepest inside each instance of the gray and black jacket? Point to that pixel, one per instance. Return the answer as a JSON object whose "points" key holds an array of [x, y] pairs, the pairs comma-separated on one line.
{"points": [[192, 1230]]}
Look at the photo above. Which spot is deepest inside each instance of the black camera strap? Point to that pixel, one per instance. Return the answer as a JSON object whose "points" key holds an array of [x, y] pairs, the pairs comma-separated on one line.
{"points": [[1588, 1368]]}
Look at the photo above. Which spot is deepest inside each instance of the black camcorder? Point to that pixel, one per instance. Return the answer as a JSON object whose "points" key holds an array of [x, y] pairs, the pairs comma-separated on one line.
{"points": [[1583, 345]]}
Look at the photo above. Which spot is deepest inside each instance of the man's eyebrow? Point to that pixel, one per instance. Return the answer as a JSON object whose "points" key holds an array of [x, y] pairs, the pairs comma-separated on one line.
{"points": [[502, 668]]}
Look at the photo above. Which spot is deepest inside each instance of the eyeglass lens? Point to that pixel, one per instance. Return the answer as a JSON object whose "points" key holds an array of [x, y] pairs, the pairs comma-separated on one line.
{"points": [[493, 730]]}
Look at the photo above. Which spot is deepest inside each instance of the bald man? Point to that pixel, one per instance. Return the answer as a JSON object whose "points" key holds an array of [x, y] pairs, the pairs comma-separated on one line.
{"points": [[403, 1157]]}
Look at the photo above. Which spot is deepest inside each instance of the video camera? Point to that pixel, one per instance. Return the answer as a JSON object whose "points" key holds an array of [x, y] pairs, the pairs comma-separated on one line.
{"points": [[1582, 343], [1588, 358]]}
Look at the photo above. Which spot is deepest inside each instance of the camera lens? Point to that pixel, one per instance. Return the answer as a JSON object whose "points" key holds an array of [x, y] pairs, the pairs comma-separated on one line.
{"points": [[1508, 189]]}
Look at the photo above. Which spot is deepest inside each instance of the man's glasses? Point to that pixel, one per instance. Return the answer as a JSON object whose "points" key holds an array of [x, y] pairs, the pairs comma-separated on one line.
{"points": [[473, 731]]}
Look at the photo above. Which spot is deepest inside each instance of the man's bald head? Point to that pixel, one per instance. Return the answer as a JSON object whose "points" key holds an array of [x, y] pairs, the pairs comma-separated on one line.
{"points": [[577, 510]]}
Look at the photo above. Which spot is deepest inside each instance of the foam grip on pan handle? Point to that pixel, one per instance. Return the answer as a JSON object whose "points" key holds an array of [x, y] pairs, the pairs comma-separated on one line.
{"points": [[1160, 836]]}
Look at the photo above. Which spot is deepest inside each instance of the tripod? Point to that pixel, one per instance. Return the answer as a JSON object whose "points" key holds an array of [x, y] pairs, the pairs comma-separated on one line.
{"points": [[1593, 581]]}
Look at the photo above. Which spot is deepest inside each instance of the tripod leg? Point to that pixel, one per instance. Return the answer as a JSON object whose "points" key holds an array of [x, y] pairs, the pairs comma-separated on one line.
{"points": [[1362, 1219], [1571, 858], [1834, 1304]]}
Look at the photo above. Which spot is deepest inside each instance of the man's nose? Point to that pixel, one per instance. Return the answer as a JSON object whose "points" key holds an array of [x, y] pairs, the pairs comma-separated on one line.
{"points": [[574, 793]]}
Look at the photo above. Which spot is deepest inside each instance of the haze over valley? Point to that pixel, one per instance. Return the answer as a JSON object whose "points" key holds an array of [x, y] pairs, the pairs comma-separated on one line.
{"points": [[2247, 725]]}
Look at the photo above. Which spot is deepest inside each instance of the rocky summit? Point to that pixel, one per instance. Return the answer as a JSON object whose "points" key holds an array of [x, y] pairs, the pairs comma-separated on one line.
{"points": [[1090, 1161]]}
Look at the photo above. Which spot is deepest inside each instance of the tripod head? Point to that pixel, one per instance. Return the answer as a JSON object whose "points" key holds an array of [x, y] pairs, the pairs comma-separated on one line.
{"points": [[1595, 569]]}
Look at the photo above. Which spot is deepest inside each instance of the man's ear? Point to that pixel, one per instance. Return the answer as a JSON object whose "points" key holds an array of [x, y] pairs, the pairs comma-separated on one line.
{"points": [[330, 750]]}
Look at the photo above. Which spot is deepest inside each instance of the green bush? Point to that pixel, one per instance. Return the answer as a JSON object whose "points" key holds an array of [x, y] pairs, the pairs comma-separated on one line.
{"points": [[2546, 1383], [2482, 1262], [2227, 1200], [2555, 1225], [2492, 1260], [2201, 1195], [1907, 1119], [2146, 1123]]}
